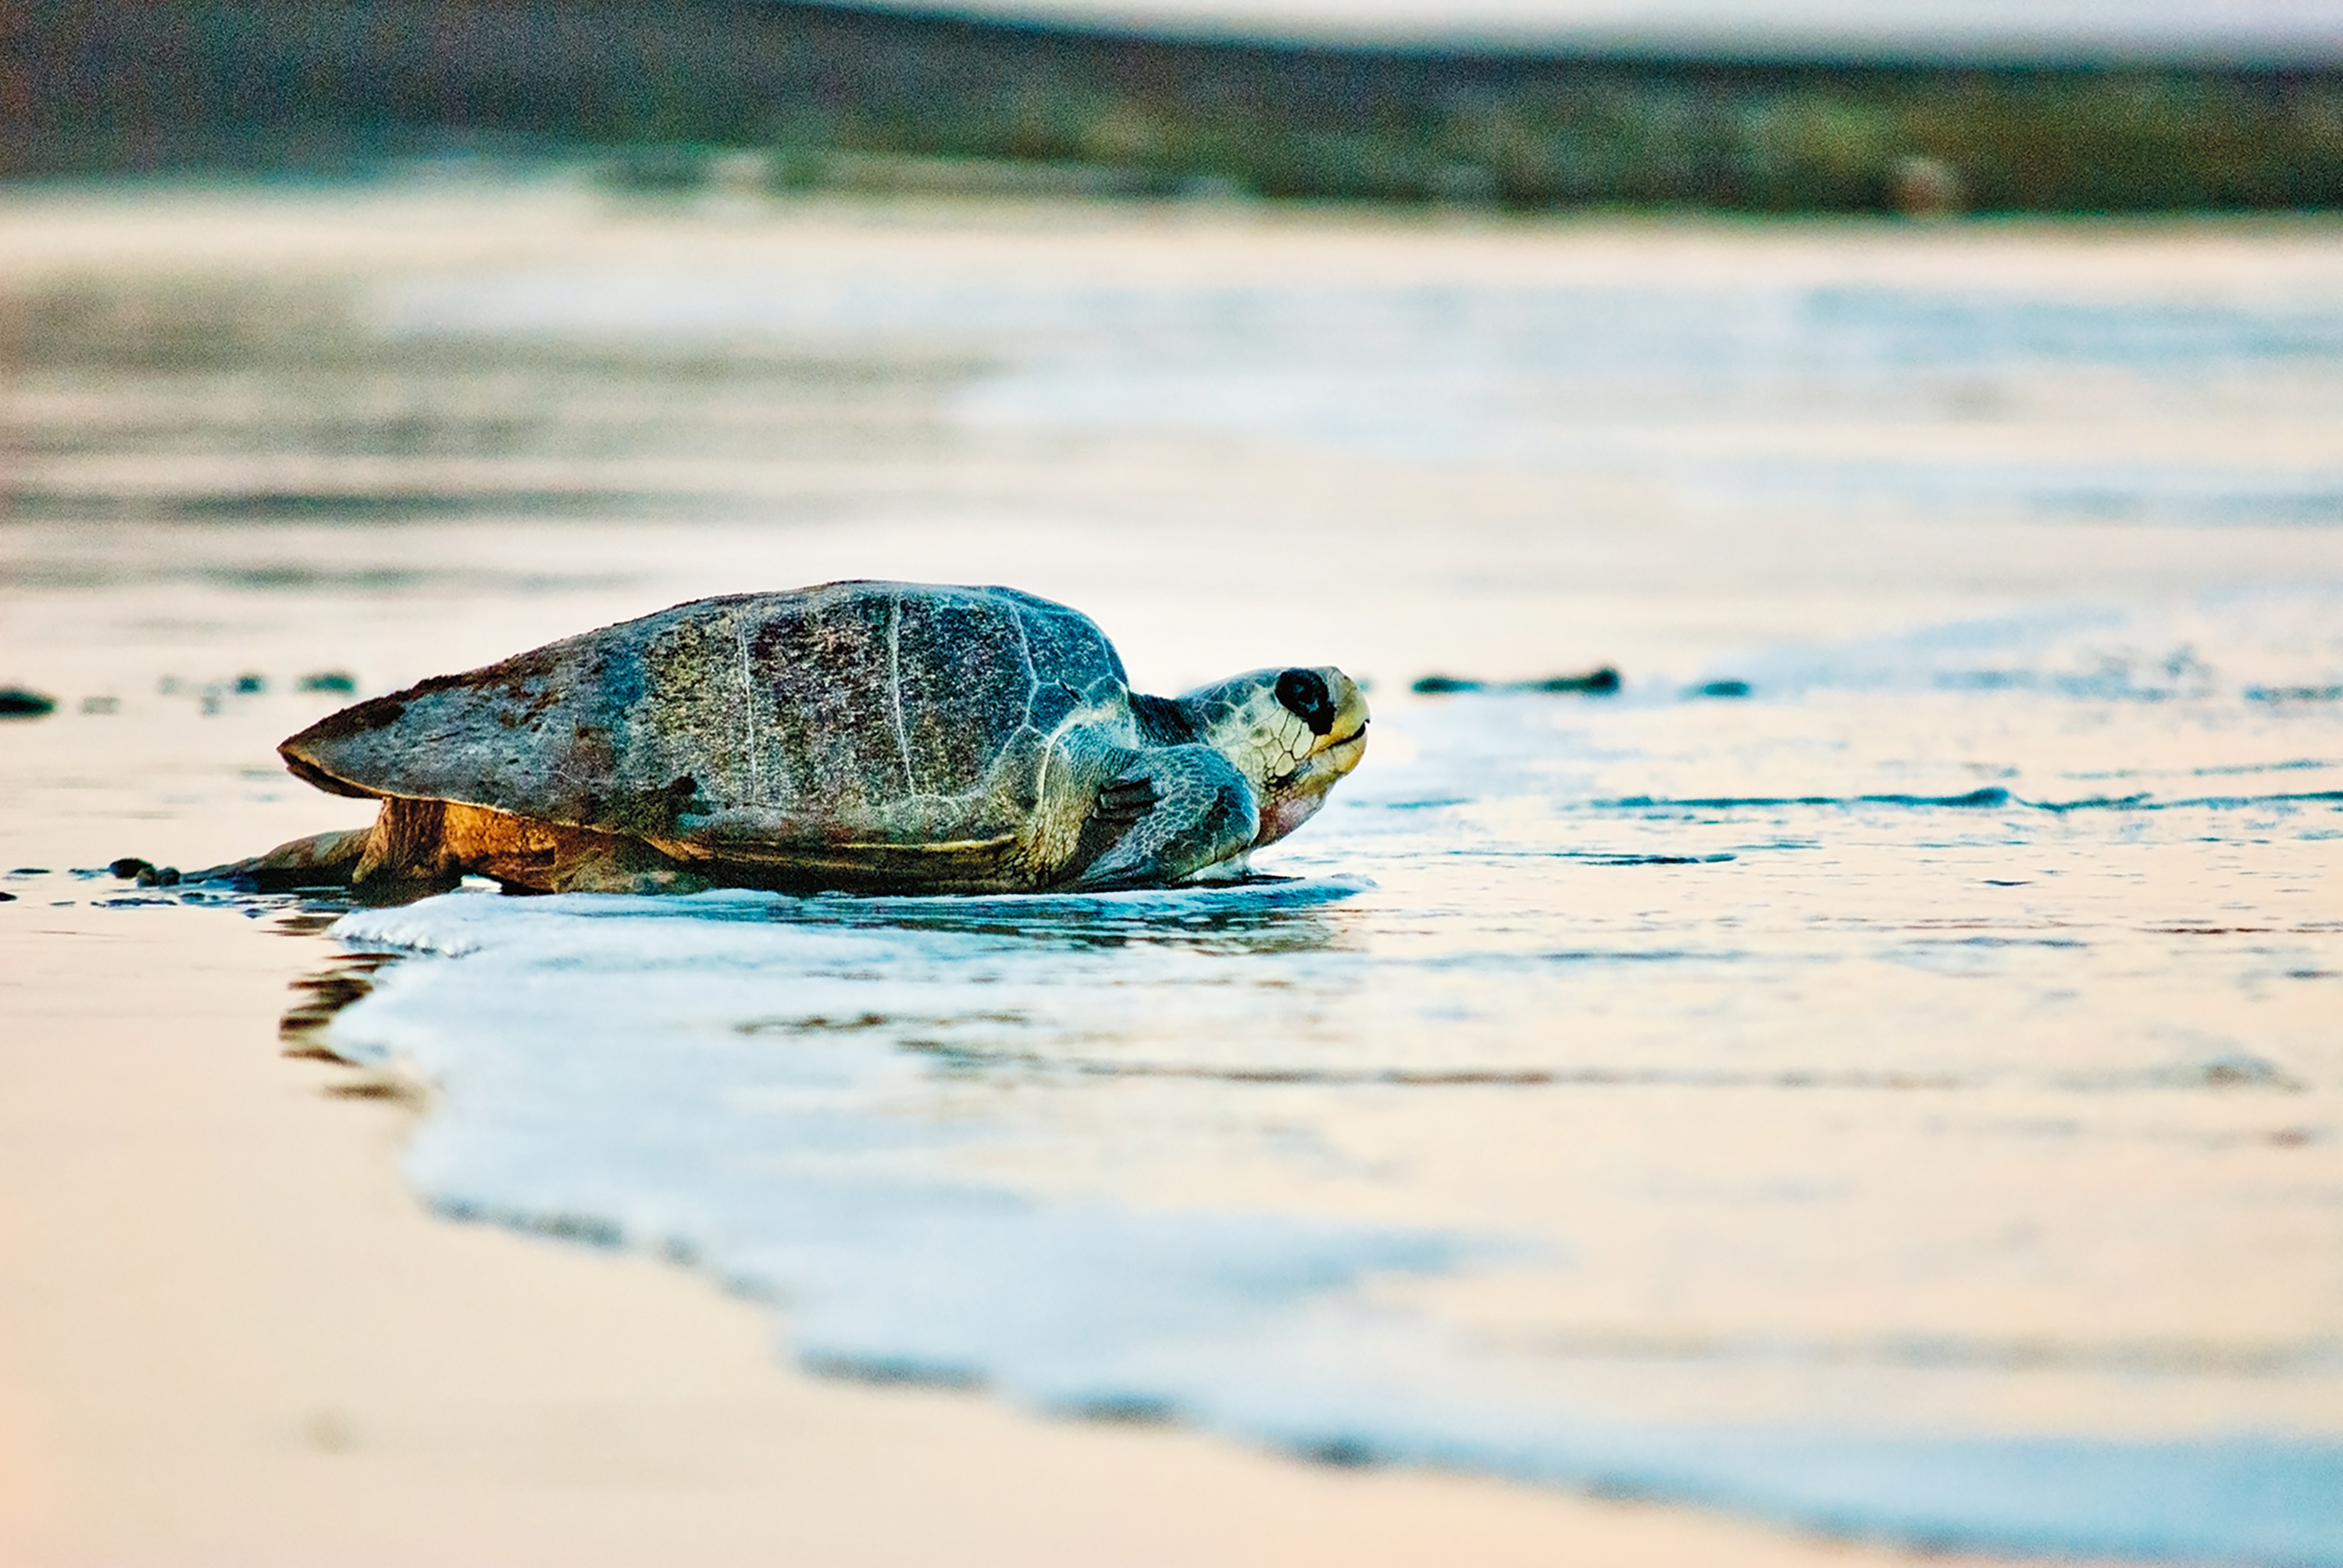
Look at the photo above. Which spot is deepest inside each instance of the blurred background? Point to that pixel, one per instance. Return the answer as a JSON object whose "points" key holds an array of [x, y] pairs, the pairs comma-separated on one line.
{"points": [[1789, 105]]}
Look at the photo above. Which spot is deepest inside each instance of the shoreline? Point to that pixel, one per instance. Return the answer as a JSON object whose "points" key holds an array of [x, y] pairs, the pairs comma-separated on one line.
{"points": [[318, 1370]]}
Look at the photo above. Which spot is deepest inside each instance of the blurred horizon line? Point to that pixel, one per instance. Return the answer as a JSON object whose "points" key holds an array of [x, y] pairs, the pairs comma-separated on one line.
{"points": [[2077, 33], [101, 87]]}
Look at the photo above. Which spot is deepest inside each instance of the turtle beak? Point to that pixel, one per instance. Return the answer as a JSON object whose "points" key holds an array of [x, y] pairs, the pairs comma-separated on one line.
{"points": [[1343, 752]]}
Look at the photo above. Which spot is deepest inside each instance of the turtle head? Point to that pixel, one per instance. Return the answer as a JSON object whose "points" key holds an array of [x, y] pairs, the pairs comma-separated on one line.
{"points": [[1292, 732]]}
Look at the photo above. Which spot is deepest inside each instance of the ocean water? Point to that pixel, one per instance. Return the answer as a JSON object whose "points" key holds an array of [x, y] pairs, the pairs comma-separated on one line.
{"points": [[1881, 1069], [1597, 378]]}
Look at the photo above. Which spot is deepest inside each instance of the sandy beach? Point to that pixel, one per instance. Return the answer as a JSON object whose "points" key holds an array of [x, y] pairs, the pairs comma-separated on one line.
{"points": [[233, 1337], [247, 432]]}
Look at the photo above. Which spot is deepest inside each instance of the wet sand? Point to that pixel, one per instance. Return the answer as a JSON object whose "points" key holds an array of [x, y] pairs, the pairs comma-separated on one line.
{"points": [[228, 1335], [228, 1332]]}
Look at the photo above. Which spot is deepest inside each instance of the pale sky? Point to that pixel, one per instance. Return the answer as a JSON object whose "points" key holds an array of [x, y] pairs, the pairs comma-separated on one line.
{"points": [[2231, 29]]}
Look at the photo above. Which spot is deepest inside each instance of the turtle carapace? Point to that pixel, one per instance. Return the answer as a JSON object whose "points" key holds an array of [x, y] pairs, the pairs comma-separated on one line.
{"points": [[866, 737]]}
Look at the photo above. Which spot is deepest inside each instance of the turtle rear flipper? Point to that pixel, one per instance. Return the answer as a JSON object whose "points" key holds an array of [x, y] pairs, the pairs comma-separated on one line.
{"points": [[320, 860], [403, 856], [1202, 812]]}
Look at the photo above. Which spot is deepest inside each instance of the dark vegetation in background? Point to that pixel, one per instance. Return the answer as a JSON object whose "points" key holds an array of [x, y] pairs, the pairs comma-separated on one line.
{"points": [[834, 94]]}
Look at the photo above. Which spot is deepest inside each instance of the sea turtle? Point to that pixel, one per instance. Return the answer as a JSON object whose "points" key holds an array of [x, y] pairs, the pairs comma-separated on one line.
{"points": [[868, 736]]}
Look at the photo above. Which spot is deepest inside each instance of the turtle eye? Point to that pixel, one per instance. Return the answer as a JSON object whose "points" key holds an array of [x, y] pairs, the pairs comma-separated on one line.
{"points": [[1302, 693]]}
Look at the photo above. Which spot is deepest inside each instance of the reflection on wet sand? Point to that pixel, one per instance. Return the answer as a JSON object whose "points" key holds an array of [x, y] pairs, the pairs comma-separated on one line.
{"points": [[341, 981]]}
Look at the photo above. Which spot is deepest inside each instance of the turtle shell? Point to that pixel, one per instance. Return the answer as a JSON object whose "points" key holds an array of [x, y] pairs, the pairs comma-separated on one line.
{"points": [[744, 727]]}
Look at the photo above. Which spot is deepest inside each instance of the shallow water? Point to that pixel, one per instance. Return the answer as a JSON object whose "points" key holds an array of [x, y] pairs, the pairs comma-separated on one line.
{"points": [[1904, 1099]]}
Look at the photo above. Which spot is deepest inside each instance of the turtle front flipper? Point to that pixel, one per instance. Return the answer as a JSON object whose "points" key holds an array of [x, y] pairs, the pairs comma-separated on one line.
{"points": [[1180, 808]]}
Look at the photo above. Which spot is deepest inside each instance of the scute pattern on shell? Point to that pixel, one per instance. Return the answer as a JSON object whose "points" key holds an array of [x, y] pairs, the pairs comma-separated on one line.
{"points": [[891, 713]]}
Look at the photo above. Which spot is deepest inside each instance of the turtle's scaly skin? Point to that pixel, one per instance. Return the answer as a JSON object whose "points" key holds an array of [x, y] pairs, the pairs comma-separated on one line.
{"points": [[882, 737]]}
